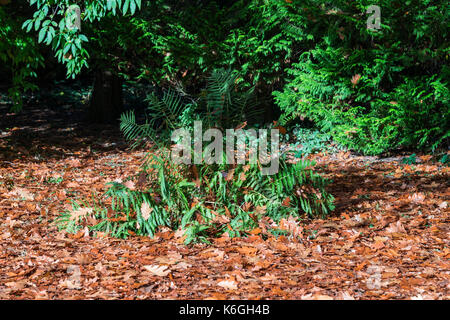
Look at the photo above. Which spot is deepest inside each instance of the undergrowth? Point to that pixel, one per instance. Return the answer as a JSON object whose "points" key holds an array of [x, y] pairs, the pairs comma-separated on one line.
{"points": [[203, 200]]}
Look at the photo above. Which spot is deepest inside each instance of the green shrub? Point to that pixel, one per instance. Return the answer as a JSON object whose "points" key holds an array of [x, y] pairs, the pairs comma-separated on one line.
{"points": [[204, 200], [410, 160], [19, 55], [308, 141], [374, 91], [217, 199]]}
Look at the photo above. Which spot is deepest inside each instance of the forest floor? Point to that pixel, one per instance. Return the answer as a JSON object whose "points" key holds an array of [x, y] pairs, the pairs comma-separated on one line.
{"points": [[387, 239]]}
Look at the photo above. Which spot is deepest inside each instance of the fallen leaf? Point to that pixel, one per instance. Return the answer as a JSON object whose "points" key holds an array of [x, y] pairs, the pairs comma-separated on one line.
{"points": [[22, 194], [228, 284], [160, 271], [80, 213], [130, 185], [146, 210], [396, 227], [247, 250], [355, 79], [417, 197]]}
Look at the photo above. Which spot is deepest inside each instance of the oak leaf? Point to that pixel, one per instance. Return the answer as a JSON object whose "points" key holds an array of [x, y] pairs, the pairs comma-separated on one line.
{"points": [[160, 271]]}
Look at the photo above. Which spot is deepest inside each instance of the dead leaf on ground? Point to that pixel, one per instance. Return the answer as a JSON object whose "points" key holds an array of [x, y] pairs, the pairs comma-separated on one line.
{"points": [[160, 271], [228, 284]]}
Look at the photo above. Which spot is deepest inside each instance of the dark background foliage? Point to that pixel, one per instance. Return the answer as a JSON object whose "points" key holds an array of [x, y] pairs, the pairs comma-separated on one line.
{"points": [[371, 91]]}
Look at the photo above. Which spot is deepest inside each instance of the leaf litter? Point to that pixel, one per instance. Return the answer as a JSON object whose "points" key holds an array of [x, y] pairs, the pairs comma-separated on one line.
{"points": [[387, 239]]}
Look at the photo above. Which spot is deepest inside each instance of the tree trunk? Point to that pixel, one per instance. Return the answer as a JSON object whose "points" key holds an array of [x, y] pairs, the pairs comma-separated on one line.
{"points": [[107, 99]]}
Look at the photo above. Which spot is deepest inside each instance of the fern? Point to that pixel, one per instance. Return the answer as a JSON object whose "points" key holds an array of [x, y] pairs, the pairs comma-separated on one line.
{"points": [[206, 199]]}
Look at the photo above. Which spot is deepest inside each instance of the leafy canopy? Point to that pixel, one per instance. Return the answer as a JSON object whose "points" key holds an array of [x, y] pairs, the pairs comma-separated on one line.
{"points": [[65, 37]]}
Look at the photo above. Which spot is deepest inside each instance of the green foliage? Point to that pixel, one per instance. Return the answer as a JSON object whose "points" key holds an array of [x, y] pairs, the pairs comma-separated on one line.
{"points": [[410, 160], [309, 141], [225, 199], [374, 91], [205, 200], [221, 104], [225, 106], [371, 91], [445, 159], [19, 54], [64, 36]]}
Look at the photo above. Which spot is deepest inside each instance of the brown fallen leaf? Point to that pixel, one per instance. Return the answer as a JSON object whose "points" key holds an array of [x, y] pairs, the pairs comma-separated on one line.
{"points": [[130, 185], [268, 277], [292, 226], [417, 197], [71, 284], [378, 245], [171, 258], [80, 213], [217, 296], [355, 79], [228, 284], [251, 251], [146, 210], [22, 194], [345, 296], [160, 271], [316, 297], [396, 227]]}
